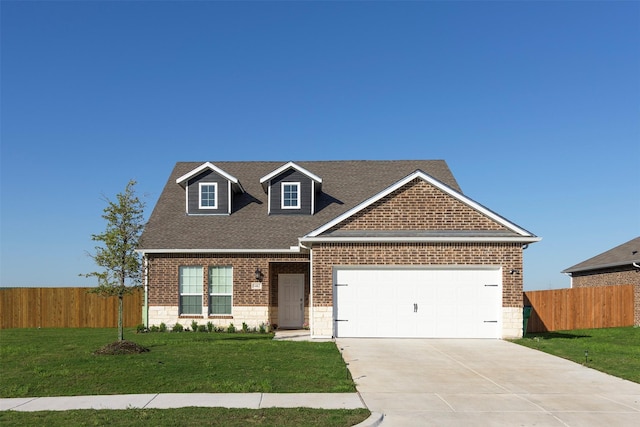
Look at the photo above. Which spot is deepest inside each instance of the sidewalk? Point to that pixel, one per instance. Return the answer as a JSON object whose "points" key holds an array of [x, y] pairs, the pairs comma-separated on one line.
{"points": [[180, 400]]}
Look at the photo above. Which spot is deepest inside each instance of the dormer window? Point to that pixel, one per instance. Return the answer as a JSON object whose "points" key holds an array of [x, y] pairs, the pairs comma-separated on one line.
{"points": [[208, 195], [290, 195]]}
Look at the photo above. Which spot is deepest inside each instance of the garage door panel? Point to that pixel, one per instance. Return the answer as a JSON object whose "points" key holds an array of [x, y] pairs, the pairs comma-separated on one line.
{"points": [[438, 303]]}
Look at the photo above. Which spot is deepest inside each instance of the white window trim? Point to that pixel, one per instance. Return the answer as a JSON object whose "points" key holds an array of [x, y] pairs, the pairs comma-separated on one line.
{"points": [[187, 294], [282, 185], [215, 192], [214, 294]]}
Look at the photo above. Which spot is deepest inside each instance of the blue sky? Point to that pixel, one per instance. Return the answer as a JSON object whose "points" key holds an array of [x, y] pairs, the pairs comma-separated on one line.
{"points": [[534, 105]]}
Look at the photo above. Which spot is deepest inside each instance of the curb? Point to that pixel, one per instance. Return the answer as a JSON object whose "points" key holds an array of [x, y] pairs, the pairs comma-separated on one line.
{"points": [[374, 420]]}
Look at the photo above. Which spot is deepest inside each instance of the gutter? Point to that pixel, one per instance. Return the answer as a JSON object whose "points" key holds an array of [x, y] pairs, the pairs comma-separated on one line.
{"points": [[292, 249], [418, 239]]}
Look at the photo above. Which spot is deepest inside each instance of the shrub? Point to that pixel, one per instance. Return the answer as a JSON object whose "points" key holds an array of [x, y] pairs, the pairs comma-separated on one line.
{"points": [[154, 328], [202, 328], [210, 326], [245, 327], [263, 328], [194, 326], [231, 329], [163, 327], [177, 328], [140, 329]]}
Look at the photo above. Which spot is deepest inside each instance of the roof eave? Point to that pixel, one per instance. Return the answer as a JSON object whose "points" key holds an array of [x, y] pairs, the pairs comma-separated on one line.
{"points": [[292, 249], [599, 267], [421, 239]]}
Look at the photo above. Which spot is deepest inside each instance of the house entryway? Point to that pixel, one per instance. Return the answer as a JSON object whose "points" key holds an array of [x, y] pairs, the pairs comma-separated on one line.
{"points": [[290, 301]]}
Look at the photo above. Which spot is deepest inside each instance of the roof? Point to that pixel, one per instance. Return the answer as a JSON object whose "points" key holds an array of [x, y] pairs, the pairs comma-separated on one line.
{"points": [[626, 253], [346, 185], [265, 180]]}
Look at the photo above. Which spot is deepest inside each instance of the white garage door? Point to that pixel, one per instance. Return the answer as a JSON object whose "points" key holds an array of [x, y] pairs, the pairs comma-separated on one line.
{"points": [[417, 303]]}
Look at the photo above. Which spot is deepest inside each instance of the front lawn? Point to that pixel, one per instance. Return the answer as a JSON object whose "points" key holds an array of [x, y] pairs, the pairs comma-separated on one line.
{"points": [[188, 417], [60, 362], [615, 351]]}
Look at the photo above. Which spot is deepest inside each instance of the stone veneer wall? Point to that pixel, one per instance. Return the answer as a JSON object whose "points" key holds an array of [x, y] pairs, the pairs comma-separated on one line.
{"points": [[505, 255], [623, 275]]}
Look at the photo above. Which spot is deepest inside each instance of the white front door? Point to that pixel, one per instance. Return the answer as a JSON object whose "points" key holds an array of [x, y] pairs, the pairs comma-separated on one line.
{"points": [[290, 300]]}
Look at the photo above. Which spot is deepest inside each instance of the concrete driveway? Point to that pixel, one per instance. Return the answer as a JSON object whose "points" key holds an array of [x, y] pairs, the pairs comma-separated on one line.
{"points": [[484, 383]]}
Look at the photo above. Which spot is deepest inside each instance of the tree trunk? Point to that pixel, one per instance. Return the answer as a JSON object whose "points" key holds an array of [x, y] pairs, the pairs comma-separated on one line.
{"points": [[120, 328]]}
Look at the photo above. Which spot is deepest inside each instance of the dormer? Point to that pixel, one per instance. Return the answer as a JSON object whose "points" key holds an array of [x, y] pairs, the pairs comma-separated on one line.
{"points": [[291, 190], [209, 190]]}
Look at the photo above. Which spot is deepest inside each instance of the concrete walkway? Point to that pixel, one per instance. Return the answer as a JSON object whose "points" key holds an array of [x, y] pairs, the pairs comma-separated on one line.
{"points": [[180, 400], [484, 383]]}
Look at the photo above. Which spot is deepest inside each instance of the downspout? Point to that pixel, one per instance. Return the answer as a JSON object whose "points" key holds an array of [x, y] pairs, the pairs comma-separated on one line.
{"points": [[145, 306], [636, 265], [311, 322]]}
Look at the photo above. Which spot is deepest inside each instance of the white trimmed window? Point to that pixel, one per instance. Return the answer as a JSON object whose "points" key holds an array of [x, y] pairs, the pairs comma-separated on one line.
{"points": [[290, 195], [191, 282], [208, 195], [220, 290]]}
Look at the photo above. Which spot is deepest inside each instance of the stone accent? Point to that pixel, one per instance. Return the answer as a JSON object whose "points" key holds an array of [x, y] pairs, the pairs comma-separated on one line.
{"points": [[251, 315], [512, 322], [322, 322], [164, 314]]}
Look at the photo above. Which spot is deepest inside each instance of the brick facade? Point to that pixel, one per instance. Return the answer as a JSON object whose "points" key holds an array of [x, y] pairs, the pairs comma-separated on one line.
{"points": [[623, 275], [163, 271], [505, 255], [418, 206]]}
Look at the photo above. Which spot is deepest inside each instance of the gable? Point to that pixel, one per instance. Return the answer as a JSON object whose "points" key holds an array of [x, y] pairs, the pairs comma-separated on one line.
{"points": [[222, 193], [418, 205]]}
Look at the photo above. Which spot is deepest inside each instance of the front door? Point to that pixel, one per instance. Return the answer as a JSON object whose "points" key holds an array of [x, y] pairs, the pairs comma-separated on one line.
{"points": [[290, 300]]}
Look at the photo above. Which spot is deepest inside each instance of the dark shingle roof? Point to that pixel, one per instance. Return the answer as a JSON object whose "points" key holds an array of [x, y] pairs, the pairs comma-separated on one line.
{"points": [[345, 185], [626, 253]]}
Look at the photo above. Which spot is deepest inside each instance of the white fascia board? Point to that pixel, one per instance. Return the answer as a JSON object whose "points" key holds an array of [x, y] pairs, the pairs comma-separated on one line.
{"points": [[292, 249], [210, 166], [321, 239], [431, 180], [265, 179]]}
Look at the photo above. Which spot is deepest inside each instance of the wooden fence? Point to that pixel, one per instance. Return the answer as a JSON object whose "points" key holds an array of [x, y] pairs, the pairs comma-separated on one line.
{"points": [[66, 308], [580, 308]]}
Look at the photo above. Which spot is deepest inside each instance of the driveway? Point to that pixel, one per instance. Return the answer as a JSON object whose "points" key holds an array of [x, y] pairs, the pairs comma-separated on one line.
{"points": [[435, 382]]}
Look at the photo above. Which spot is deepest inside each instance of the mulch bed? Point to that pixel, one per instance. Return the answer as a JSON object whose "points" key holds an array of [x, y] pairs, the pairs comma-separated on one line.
{"points": [[121, 347]]}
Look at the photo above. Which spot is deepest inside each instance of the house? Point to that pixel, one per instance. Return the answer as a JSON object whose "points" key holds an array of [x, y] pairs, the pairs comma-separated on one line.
{"points": [[617, 266], [346, 248]]}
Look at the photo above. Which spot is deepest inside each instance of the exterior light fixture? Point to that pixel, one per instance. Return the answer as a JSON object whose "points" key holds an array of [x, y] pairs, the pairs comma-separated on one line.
{"points": [[513, 271], [258, 275]]}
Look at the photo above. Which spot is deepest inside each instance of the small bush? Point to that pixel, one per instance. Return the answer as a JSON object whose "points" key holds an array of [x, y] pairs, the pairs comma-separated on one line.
{"points": [[202, 328], [210, 326], [263, 328], [140, 329], [231, 329], [154, 328], [177, 328], [245, 327], [163, 327], [194, 326]]}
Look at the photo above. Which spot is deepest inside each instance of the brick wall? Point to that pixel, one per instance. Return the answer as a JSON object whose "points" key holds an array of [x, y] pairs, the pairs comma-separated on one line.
{"points": [[164, 269], [418, 206], [506, 255], [623, 275]]}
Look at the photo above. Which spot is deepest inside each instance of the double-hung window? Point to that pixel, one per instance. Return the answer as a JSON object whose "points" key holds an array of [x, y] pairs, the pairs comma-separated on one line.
{"points": [[191, 282], [208, 195], [220, 290], [290, 195]]}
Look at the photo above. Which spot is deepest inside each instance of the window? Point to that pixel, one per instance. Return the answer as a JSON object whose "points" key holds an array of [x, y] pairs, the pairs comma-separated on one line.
{"points": [[290, 195], [208, 195], [191, 282], [220, 289]]}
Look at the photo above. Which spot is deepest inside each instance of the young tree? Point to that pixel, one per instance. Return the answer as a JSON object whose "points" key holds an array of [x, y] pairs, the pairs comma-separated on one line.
{"points": [[117, 256]]}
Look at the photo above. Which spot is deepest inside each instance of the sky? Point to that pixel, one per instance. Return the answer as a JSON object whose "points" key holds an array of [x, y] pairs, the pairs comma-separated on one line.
{"points": [[535, 106]]}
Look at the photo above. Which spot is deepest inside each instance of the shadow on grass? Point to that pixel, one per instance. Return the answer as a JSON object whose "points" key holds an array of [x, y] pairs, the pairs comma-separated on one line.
{"points": [[552, 335]]}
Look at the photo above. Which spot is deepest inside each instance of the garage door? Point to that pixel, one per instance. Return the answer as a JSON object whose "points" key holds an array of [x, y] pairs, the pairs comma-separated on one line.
{"points": [[417, 303]]}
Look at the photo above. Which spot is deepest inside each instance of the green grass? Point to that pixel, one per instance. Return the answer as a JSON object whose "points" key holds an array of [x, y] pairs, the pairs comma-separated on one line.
{"points": [[615, 351], [188, 417], [59, 362]]}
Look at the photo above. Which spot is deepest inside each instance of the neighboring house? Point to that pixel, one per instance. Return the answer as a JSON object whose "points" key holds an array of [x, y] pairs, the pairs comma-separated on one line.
{"points": [[617, 266], [346, 248]]}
